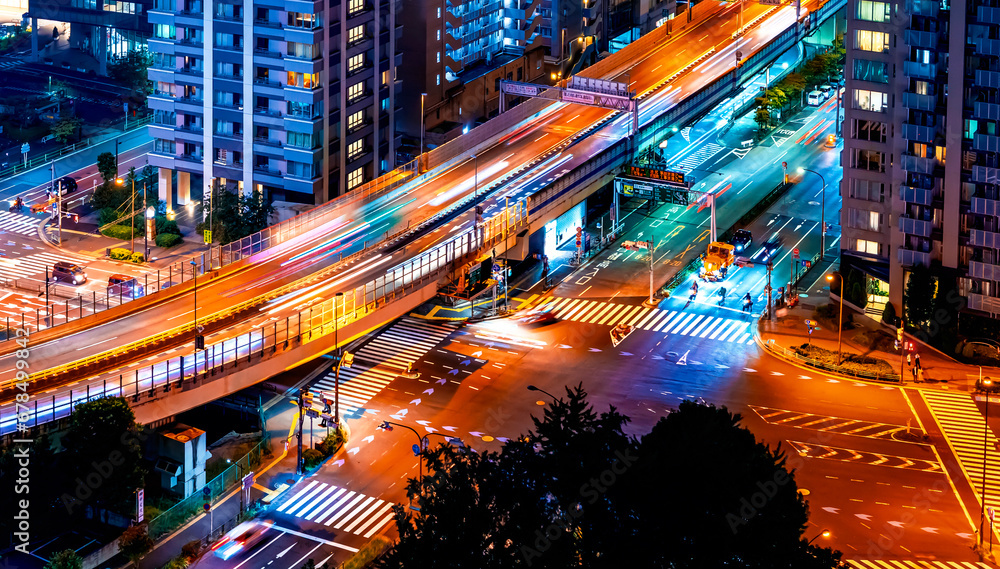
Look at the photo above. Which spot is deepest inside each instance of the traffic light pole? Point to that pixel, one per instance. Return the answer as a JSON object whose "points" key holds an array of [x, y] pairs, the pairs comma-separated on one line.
{"points": [[770, 266], [302, 415], [652, 245]]}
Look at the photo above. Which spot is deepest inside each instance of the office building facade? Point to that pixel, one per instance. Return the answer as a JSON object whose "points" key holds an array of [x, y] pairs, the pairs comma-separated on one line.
{"points": [[921, 170], [292, 97]]}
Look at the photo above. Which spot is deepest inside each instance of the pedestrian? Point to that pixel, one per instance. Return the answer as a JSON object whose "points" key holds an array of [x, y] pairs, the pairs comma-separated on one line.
{"points": [[914, 374], [908, 362], [916, 361]]}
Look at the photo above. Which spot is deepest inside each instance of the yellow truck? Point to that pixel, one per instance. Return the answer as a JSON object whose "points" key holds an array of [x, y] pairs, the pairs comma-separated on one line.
{"points": [[719, 257]]}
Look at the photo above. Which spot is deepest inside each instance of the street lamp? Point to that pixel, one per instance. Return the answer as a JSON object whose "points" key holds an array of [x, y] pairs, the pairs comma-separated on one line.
{"points": [[825, 533], [420, 158], [840, 321], [150, 214], [533, 388], [199, 340], [984, 385], [120, 182], [822, 214]]}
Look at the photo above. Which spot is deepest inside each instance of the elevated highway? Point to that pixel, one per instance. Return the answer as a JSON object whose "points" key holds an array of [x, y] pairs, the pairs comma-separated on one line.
{"points": [[268, 303]]}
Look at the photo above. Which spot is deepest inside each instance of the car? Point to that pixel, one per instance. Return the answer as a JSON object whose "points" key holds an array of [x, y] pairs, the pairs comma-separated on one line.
{"points": [[827, 91], [124, 286], [66, 272], [814, 98], [241, 538], [770, 249], [536, 316], [66, 185], [741, 240]]}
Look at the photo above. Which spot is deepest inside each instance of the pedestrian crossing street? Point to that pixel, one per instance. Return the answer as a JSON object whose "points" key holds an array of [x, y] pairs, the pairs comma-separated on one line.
{"points": [[699, 157], [381, 360], [18, 223], [652, 319], [912, 564], [33, 265], [344, 510], [964, 427]]}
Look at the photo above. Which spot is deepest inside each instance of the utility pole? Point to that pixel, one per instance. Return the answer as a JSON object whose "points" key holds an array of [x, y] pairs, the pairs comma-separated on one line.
{"points": [[770, 266], [652, 245], [302, 414]]}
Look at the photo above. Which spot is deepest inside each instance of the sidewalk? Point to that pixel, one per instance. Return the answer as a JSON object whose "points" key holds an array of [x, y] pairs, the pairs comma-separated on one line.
{"points": [[779, 335]]}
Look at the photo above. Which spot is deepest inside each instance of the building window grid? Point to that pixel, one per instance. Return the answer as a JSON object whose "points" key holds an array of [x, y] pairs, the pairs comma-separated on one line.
{"points": [[355, 92], [355, 178], [355, 121], [355, 149], [356, 63]]}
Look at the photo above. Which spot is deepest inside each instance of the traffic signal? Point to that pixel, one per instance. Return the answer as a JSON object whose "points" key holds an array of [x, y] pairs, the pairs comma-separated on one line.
{"points": [[347, 360], [307, 399], [199, 342]]}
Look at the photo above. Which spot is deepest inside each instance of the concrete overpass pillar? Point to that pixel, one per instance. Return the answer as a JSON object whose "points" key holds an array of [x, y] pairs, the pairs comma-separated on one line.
{"points": [[166, 185], [34, 40], [183, 188]]}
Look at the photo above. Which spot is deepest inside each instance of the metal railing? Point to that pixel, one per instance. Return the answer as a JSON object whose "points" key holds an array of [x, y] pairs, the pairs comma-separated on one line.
{"points": [[271, 338], [140, 122], [193, 505]]}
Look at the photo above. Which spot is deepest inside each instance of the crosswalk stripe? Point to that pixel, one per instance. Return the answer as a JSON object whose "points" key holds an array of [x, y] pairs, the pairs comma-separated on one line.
{"points": [[681, 321], [692, 325], [913, 564], [602, 312], [626, 316], [705, 326], [592, 306], [651, 317], [576, 306], [319, 508], [615, 311], [380, 515], [357, 498], [353, 512], [641, 315], [364, 515], [296, 497], [671, 316], [340, 501]]}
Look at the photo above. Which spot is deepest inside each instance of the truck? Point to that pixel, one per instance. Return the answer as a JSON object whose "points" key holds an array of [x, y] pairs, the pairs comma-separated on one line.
{"points": [[719, 257]]}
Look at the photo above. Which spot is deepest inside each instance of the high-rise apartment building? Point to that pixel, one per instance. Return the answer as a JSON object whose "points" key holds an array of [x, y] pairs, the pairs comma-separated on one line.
{"points": [[296, 98], [921, 168]]}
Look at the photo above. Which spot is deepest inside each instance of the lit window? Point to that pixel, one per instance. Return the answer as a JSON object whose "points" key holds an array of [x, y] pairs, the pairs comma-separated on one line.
{"points": [[870, 100], [355, 91], [355, 148], [439, 35], [870, 247], [355, 6], [868, 40], [385, 77], [439, 57], [355, 178], [356, 34], [873, 11], [355, 63], [355, 120], [438, 79], [439, 12]]}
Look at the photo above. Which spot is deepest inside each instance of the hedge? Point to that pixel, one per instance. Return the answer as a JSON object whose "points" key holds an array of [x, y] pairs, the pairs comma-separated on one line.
{"points": [[166, 226], [853, 363], [120, 254], [122, 232], [311, 457], [167, 240]]}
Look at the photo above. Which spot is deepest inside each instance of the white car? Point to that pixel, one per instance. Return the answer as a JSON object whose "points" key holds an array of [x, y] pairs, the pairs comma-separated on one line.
{"points": [[814, 99], [241, 538]]}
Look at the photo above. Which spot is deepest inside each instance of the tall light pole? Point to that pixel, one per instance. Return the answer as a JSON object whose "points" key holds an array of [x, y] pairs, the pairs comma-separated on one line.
{"points": [[420, 158], [150, 214], [199, 340], [985, 385], [336, 378], [840, 320], [822, 214], [824, 533], [533, 388]]}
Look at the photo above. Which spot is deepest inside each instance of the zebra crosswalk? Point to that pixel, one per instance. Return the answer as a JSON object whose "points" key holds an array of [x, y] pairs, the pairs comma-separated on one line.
{"points": [[18, 223], [8, 65], [912, 564], [698, 157], [379, 361], [652, 319], [33, 265], [965, 428], [352, 512]]}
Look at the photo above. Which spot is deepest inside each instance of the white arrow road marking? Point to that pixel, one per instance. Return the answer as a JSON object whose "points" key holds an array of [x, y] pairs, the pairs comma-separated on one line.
{"points": [[476, 354], [896, 524], [776, 373], [720, 366], [354, 450], [930, 530], [369, 438], [564, 346], [964, 535], [448, 428], [476, 434], [657, 357], [865, 517], [442, 381], [624, 353], [695, 363], [429, 391], [804, 377], [339, 462], [856, 384], [423, 423], [415, 402], [749, 370], [833, 381], [832, 510], [503, 439], [684, 359], [282, 554], [594, 350]]}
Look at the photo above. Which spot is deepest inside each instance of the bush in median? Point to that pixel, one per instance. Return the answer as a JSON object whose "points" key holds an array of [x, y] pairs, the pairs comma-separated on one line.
{"points": [[167, 240], [311, 457], [331, 443], [122, 232], [851, 363], [122, 254]]}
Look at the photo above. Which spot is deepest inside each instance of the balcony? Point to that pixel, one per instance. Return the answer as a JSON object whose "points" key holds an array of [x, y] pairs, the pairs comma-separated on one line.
{"points": [[985, 175], [986, 142], [925, 7], [988, 15], [909, 258], [912, 226], [987, 111], [985, 206], [983, 303], [916, 195], [266, 82], [919, 133], [267, 141], [920, 70], [925, 40], [196, 158], [266, 169], [268, 24], [232, 135], [267, 112], [986, 46], [986, 78], [917, 164], [983, 238], [982, 270]]}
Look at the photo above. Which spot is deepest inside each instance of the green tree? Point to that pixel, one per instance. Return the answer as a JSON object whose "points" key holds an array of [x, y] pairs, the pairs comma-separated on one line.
{"points": [[948, 302], [103, 456], [66, 559], [776, 98], [762, 117], [107, 165], [135, 543], [578, 491], [131, 68], [919, 296], [234, 216], [67, 126]]}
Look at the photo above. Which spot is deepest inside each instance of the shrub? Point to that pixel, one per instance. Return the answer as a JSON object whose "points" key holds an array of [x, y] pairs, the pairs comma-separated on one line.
{"points": [[311, 457], [119, 254], [367, 553], [137, 258], [191, 550], [166, 226], [876, 340], [166, 240], [122, 232], [179, 562], [889, 314], [106, 215], [331, 443], [851, 363]]}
